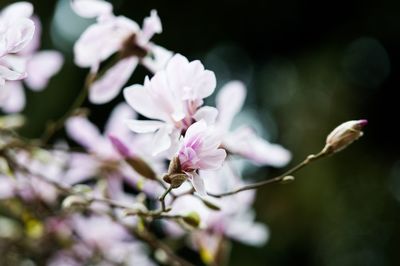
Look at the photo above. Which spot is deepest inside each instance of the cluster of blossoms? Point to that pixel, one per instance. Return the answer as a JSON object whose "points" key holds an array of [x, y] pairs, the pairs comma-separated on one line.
{"points": [[99, 204]]}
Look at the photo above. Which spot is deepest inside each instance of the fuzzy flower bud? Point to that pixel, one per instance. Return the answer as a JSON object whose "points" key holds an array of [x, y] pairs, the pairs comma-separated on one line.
{"points": [[343, 135]]}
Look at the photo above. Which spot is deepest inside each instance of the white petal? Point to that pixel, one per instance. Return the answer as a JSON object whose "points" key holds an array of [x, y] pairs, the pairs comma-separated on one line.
{"points": [[17, 10], [139, 99], [158, 59], [91, 8], [144, 126], [15, 99], [41, 67], [207, 113], [198, 184], [110, 84], [229, 102], [246, 143], [162, 140]]}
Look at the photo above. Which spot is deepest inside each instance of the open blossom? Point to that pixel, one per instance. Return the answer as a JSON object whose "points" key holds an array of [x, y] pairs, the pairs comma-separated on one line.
{"points": [[38, 66], [244, 141], [200, 151], [16, 31], [172, 97], [116, 34], [106, 152]]}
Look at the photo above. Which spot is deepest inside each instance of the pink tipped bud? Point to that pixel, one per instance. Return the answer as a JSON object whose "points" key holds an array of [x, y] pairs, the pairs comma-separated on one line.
{"points": [[119, 146], [345, 134]]}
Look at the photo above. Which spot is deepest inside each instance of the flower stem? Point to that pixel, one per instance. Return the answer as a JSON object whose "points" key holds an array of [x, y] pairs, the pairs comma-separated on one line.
{"points": [[54, 126], [162, 198], [277, 179]]}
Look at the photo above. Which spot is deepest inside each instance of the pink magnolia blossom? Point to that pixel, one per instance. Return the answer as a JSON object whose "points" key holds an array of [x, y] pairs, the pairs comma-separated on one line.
{"points": [[105, 150], [200, 151], [112, 34], [172, 97], [37, 66], [16, 31], [243, 140]]}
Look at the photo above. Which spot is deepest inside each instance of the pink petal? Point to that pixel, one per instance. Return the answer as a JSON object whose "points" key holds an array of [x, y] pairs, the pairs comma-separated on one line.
{"points": [[116, 122], [229, 102], [91, 8], [81, 130], [19, 34], [110, 84], [151, 26], [13, 100], [41, 67]]}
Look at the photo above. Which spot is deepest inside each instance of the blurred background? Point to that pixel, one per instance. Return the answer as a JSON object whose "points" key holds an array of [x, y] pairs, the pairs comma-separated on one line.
{"points": [[308, 65]]}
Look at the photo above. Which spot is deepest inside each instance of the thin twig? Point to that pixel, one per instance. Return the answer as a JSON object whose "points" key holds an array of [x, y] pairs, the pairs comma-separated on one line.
{"points": [[276, 179]]}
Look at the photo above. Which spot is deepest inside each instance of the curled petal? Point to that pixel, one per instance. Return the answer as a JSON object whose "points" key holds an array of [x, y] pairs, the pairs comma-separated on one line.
{"points": [[144, 126]]}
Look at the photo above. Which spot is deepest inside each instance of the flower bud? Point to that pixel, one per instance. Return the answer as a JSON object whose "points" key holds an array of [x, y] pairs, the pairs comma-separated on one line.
{"points": [[75, 203], [343, 135], [119, 146], [192, 219], [141, 167], [175, 166]]}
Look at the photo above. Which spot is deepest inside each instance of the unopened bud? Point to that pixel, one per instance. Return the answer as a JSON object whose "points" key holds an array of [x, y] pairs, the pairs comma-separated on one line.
{"points": [[192, 219], [344, 135], [210, 205], [119, 146], [141, 167], [75, 203], [177, 180], [287, 179], [82, 189], [174, 166]]}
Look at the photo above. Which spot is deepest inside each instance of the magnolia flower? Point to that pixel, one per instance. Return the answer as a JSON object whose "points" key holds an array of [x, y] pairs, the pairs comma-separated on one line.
{"points": [[16, 31], [38, 66], [199, 151], [112, 34], [105, 150], [244, 141], [172, 97]]}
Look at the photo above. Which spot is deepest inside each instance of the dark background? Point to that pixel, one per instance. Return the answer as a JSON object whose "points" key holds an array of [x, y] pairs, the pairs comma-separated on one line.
{"points": [[309, 65]]}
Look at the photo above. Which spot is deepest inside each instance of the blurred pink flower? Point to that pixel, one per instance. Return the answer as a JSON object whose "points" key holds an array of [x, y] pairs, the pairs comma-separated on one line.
{"points": [[172, 97], [112, 34], [36, 67], [200, 150], [105, 153], [244, 141], [16, 31]]}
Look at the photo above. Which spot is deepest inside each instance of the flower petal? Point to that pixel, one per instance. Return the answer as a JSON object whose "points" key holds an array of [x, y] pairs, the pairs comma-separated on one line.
{"points": [[198, 184], [81, 130], [207, 113], [41, 67], [144, 126], [14, 97], [229, 102], [109, 85], [91, 8]]}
